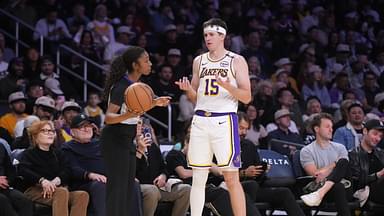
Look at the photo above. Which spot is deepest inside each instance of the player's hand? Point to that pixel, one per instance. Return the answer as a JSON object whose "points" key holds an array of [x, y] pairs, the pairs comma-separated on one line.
{"points": [[162, 101], [223, 81], [4, 182], [135, 112], [160, 181], [184, 84]]}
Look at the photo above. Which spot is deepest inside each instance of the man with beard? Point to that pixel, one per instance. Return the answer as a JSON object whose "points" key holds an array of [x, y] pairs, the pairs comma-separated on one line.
{"points": [[16, 103], [14, 81]]}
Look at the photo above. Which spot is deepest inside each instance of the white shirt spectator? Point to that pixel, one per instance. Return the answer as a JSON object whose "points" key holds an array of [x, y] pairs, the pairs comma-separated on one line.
{"points": [[114, 49], [187, 108], [44, 28]]}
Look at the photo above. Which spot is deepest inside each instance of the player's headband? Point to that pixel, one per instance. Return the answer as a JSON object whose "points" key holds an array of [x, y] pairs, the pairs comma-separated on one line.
{"points": [[215, 28]]}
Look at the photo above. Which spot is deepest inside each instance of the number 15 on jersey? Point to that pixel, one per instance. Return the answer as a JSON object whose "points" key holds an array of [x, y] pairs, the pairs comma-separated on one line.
{"points": [[211, 87]]}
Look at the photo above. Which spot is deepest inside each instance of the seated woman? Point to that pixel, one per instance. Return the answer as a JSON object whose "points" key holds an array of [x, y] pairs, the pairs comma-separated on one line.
{"points": [[46, 172]]}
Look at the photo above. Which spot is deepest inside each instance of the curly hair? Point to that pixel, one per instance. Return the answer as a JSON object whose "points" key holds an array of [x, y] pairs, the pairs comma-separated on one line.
{"points": [[120, 66]]}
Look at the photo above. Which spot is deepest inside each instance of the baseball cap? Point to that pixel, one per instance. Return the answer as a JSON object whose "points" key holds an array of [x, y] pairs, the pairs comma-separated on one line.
{"points": [[280, 71], [374, 124], [79, 120], [15, 96], [174, 52], [70, 105], [53, 85], [45, 101], [379, 97], [170, 27], [283, 61], [126, 30], [281, 113], [342, 48]]}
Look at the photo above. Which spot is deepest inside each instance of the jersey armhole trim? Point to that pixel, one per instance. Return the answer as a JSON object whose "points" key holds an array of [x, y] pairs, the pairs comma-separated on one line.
{"points": [[233, 72], [198, 69]]}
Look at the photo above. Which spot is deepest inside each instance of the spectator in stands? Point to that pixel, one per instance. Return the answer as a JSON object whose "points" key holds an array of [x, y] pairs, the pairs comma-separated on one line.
{"points": [[16, 103], [3, 65], [116, 48], [22, 140], [379, 63], [102, 31], [313, 106], [12, 201], [162, 18], [252, 169], [31, 63], [379, 105], [164, 85], [78, 21], [350, 135], [315, 86], [152, 175], [8, 53], [341, 114], [86, 162], [93, 110], [254, 48], [25, 11], [53, 87], [263, 100], [256, 132], [341, 58], [285, 100], [69, 110], [314, 19], [287, 65], [174, 59], [15, 80], [327, 161], [52, 28], [35, 89], [369, 89], [87, 47], [359, 67], [283, 76], [283, 133], [336, 92], [170, 39], [367, 164], [255, 68], [45, 171]]}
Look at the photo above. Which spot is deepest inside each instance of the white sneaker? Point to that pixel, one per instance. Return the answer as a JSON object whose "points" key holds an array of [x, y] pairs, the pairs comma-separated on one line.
{"points": [[311, 199]]}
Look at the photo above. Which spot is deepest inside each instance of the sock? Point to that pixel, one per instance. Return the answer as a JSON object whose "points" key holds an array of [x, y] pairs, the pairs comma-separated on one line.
{"points": [[197, 197]]}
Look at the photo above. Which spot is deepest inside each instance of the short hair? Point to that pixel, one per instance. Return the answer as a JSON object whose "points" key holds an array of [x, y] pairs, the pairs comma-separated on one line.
{"points": [[243, 116], [355, 104], [316, 121], [312, 98], [35, 128], [215, 21], [280, 91]]}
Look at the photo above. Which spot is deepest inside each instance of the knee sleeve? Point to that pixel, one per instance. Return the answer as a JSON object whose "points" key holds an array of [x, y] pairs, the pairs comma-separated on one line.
{"points": [[197, 197]]}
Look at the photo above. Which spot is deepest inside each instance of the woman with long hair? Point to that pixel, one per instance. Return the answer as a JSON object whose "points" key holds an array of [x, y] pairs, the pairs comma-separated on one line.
{"points": [[256, 132], [117, 136]]}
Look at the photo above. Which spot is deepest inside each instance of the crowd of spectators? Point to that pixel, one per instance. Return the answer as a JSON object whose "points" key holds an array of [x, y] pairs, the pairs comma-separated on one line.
{"points": [[305, 57]]}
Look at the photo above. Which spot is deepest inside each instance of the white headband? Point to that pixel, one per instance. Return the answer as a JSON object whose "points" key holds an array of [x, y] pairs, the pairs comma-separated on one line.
{"points": [[215, 28]]}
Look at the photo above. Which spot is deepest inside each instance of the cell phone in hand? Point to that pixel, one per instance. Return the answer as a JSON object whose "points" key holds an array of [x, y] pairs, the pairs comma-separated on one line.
{"points": [[264, 165]]}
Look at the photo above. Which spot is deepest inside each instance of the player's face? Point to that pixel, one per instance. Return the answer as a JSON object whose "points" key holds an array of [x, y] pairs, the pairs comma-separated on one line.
{"points": [[213, 39], [144, 64]]}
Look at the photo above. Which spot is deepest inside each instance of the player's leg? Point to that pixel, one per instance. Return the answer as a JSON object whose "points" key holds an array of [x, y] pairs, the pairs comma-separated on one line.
{"points": [[236, 193], [226, 147], [200, 159]]}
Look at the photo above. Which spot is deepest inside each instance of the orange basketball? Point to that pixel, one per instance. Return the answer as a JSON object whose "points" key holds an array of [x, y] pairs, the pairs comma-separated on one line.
{"points": [[139, 97]]}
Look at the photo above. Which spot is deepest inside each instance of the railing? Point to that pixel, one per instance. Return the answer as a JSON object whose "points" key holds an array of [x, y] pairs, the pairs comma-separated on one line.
{"points": [[60, 67], [282, 142], [16, 38]]}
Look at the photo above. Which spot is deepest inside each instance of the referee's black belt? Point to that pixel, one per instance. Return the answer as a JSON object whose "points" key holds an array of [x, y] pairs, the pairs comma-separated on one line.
{"points": [[211, 114]]}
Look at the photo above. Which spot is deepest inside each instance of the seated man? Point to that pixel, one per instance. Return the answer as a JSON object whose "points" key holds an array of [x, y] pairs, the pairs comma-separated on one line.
{"points": [[12, 201], [367, 164], [327, 161], [152, 175], [87, 165], [252, 170], [219, 198]]}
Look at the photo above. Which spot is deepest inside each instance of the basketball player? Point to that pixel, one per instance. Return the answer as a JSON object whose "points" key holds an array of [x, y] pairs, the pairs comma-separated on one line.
{"points": [[220, 79]]}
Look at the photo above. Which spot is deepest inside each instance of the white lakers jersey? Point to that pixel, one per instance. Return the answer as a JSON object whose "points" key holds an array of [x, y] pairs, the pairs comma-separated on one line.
{"points": [[210, 96]]}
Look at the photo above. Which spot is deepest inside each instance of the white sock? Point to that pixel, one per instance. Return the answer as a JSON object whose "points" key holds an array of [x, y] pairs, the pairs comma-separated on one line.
{"points": [[197, 197]]}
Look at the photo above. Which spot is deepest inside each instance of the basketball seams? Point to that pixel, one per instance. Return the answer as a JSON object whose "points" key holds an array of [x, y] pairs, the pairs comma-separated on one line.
{"points": [[145, 87], [137, 98]]}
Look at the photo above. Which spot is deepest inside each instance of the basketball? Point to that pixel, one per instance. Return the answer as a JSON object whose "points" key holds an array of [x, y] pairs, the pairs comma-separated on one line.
{"points": [[139, 97]]}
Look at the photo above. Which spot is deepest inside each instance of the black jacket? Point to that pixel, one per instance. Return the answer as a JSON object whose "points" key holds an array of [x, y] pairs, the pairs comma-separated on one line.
{"points": [[359, 163]]}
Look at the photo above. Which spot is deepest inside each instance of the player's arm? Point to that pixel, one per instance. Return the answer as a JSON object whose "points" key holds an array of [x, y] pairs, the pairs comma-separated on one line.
{"points": [[190, 88], [243, 90]]}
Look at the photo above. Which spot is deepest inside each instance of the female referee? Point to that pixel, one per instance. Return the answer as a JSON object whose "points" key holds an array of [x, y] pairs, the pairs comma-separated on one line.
{"points": [[117, 136]]}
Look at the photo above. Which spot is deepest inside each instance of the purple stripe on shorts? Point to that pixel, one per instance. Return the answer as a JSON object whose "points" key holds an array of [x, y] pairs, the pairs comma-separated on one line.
{"points": [[236, 159]]}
